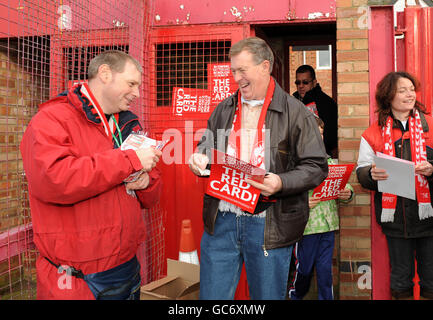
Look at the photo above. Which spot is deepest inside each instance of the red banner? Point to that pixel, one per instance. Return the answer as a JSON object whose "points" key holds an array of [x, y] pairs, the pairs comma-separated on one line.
{"points": [[338, 176], [227, 181]]}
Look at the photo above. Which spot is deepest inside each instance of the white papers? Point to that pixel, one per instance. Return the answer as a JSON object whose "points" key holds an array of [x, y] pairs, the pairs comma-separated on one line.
{"points": [[401, 176], [140, 141], [137, 141]]}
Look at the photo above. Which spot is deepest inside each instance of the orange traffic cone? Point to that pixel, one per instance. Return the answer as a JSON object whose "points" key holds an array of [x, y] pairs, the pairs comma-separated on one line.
{"points": [[187, 250]]}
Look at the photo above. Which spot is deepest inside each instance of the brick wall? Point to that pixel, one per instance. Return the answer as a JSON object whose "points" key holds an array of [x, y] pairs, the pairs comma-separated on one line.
{"points": [[353, 103], [20, 92]]}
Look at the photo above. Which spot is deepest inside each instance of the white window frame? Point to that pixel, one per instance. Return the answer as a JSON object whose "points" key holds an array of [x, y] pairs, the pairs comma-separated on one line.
{"points": [[318, 67]]}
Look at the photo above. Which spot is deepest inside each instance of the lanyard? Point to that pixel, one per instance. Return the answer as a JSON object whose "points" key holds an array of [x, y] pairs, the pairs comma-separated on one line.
{"points": [[118, 130], [86, 91]]}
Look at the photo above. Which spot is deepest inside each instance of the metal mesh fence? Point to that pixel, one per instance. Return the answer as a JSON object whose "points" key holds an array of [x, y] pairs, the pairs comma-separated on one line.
{"points": [[45, 47]]}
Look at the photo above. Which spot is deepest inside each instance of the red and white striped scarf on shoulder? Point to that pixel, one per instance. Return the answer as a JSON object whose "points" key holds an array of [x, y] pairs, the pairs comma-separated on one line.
{"points": [[418, 151]]}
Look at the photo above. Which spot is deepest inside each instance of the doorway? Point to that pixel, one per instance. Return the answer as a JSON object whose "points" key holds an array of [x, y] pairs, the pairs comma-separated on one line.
{"points": [[297, 44]]}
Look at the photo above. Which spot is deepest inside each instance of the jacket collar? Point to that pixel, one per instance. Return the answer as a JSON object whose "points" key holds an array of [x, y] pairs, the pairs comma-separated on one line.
{"points": [[81, 102], [424, 124]]}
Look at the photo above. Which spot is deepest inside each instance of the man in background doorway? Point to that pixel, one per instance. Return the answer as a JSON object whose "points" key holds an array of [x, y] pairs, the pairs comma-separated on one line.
{"points": [[318, 102]]}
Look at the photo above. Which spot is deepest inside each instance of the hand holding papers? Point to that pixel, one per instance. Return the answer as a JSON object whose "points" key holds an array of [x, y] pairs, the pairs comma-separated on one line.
{"points": [[401, 176], [198, 163], [137, 141]]}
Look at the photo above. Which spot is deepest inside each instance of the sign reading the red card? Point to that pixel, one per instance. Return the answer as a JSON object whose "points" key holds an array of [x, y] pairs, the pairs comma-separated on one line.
{"points": [[227, 181], [191, 102], [199, 103], [220, 82], [338, 176]]}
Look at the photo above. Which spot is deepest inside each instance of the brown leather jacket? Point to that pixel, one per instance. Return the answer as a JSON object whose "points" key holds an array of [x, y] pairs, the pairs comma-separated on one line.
{"points": [[297, 155]]}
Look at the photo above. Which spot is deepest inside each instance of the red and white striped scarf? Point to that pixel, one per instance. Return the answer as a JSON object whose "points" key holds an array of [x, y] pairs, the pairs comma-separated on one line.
{"points": [[418, 151], [234, 144]]}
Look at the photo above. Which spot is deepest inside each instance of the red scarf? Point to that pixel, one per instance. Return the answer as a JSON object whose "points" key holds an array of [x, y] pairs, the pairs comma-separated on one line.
{"points": [[418, 151], [234, 143]]}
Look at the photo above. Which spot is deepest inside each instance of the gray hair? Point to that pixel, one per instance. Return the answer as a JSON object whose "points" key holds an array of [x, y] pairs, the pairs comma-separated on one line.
{"points": [[115, 59], [257, 47]]}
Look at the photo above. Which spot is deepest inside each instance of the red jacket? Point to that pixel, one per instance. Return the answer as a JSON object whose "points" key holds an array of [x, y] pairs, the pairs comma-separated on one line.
{"points": [[406, 219], [81, 213]]}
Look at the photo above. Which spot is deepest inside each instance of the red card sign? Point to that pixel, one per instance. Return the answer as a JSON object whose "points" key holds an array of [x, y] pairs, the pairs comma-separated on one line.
{"points": [[221, 82], [338, 176], [227, 181], [190, 102], [194, 103]]}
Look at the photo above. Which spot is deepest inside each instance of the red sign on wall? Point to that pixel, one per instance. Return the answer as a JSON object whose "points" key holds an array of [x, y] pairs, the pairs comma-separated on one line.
{"points": [[191, 102], [221, 82], [199, 103], [338, 176], [227, 181]]}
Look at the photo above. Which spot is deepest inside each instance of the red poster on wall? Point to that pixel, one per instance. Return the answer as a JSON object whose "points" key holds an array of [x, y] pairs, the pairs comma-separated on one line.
{"points": [[191, 102], [199, 103], [220, 82], [338, 176], [227, 181]]}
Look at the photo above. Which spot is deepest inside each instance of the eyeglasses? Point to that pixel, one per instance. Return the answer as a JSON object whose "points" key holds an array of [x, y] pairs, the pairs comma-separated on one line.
{"points": [[304, 82]]}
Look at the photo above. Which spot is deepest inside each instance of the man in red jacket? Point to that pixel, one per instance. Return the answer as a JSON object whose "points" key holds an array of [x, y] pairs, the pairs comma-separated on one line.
{"points": [[87, 223]]}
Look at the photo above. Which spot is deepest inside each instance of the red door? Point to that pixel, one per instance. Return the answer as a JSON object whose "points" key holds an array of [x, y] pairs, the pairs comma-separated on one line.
{"points": [[413, 53], [180, 60]]}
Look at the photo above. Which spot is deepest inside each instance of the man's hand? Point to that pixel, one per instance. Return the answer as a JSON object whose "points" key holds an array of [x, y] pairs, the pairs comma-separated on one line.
{"points": [[141, 183], [271, 184], [198, 162], [149, 157]]}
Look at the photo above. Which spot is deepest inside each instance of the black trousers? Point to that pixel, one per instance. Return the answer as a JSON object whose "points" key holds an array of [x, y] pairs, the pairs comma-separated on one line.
{"points": [[402, 255]]}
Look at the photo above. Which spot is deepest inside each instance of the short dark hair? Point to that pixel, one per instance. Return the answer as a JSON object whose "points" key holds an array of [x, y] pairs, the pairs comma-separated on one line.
{"points": [[307, 68], [257, 47], [115, 59], [385, 93]]}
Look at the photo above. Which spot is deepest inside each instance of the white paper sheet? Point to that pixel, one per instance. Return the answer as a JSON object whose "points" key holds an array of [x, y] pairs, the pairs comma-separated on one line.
{"points": [[401, 176]]}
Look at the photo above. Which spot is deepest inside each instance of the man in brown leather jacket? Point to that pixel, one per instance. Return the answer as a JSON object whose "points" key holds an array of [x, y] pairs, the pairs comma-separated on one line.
{"points": [[293, 155]]}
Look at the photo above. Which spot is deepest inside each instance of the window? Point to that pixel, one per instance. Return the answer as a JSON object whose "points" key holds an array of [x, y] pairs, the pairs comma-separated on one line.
{"points": [[184, 64], [324, 58]]}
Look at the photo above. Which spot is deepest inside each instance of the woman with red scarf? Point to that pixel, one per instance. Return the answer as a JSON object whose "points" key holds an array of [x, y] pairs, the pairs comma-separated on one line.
{"points": [[403, 130]]}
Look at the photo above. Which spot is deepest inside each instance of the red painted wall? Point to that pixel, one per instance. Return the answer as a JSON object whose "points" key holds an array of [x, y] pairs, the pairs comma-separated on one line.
{"points": [[175, 12]]}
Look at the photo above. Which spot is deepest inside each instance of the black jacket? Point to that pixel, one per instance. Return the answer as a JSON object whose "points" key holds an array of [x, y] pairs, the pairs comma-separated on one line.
{"points": [[328, 112], [297, 155]]}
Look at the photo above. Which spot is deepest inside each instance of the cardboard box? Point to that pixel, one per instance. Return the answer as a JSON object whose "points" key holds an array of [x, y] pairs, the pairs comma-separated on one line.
{"points": [[181, 283]]}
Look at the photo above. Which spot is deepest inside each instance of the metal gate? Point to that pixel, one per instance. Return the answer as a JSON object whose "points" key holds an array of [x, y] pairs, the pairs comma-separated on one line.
{"points": [[181, 102], [45, 46]]}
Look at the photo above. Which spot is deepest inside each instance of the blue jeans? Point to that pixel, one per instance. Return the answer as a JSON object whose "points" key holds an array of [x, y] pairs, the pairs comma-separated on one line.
{"points": [[313, 250], [238, 240]]}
